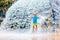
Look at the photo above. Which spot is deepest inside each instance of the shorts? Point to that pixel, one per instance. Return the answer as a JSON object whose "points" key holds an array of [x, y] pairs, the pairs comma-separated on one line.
{"points": [[34, 24]]}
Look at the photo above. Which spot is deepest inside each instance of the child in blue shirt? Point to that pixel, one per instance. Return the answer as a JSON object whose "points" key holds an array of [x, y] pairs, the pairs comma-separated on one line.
{"points": [[35, 18]]}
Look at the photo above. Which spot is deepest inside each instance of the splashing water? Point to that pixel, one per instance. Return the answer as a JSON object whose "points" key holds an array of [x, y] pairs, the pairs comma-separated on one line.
{"points": [[18, 16]]}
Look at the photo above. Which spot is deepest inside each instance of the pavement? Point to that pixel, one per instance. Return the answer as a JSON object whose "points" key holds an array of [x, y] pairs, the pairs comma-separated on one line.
{"points": [[32, 36]]}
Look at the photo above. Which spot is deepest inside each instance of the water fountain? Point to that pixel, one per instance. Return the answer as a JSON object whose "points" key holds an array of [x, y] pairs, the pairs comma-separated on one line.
{"points": [[18, 16], [18, 19]]}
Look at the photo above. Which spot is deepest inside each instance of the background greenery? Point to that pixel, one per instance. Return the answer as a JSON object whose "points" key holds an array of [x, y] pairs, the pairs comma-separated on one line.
{"points": [[4, 5]]}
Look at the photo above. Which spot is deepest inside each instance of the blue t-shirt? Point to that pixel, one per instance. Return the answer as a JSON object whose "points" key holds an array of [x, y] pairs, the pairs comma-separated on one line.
{"points": [[35, 19]]}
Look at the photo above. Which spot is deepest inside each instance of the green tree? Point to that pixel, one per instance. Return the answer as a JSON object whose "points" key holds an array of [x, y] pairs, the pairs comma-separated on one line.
{"points": [[5, 4]]}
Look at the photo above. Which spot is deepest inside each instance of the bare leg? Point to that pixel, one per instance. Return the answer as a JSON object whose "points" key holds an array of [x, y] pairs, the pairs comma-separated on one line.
{"points": [[36, 27], [33, 29]]}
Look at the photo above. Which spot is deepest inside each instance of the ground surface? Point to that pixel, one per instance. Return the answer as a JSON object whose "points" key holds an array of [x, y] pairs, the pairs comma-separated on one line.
{"points": [[27, 36]]}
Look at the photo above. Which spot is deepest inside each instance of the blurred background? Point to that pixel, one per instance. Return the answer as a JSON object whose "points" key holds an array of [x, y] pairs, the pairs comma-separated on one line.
{"points": [[4, 5]]}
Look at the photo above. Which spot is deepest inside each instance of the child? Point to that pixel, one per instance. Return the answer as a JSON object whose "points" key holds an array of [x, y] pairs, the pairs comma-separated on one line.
{"points": [[48, 22], [53, 15], [34, 21]]}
